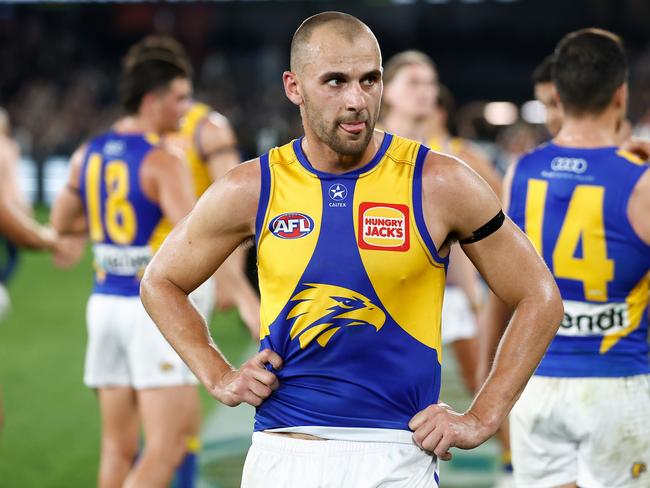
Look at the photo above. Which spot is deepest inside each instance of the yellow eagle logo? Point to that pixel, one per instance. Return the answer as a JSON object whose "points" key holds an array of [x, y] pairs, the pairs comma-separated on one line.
{"points": [[322, 310]]}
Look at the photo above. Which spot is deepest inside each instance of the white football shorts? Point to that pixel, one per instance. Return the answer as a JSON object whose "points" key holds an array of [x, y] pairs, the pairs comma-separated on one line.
{"points": [[296, 463], [593, 431], [125, 347], [458, 320]]}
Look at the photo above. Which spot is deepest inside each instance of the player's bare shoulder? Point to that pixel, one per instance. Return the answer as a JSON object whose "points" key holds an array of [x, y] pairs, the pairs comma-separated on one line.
{"points": [[456, 199], [234, 197]]}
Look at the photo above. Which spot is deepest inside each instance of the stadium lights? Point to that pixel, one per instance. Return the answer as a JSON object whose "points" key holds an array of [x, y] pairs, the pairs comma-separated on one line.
{"points": [[501, 113], [533, 111]]}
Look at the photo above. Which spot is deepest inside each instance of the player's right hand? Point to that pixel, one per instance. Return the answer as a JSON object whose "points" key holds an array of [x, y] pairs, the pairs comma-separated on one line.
{"points": [[252, 383]]}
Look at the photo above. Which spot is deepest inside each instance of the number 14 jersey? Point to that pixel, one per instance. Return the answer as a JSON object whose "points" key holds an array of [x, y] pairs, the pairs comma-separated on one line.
{"points": [[572, 204]]}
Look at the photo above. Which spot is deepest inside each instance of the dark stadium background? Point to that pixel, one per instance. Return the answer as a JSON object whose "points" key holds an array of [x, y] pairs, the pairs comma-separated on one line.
{"points": [[59, 64]]}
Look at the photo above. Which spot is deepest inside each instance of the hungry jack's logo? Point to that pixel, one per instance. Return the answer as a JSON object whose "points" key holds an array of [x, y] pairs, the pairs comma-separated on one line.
{"points": [[383, 226], [321, 310]]}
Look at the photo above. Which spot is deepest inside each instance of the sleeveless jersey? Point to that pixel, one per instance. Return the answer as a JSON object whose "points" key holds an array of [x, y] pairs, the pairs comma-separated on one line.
{"points": [[351, 288], [186, 139], [572, 204], [122, 221]]}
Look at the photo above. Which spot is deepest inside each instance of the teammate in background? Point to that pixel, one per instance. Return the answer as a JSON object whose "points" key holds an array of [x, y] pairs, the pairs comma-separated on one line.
{"points": [[411, 91], [121, 186], [546, 93], [350, 299], [417, 106], [584, 418], [17, 227], [210, 147]]}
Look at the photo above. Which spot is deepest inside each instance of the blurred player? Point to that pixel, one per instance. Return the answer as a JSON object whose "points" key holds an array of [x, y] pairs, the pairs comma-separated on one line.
{"points": [[210, 147], [121, 186], [410, 92], [545, 92], [17, 227], [352, 227], [418, 107], [584, 418]]}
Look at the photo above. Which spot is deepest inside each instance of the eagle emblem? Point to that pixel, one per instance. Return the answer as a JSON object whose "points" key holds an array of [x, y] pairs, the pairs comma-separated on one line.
{"points": [[321, 310]]}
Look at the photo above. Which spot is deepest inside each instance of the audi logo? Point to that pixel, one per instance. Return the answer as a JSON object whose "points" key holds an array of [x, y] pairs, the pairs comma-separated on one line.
{"points": [[574, 165]]}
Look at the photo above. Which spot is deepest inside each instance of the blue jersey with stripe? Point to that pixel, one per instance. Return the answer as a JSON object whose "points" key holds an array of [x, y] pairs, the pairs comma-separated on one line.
{"points": [[122, 220], [351, 288], [572, 203]]}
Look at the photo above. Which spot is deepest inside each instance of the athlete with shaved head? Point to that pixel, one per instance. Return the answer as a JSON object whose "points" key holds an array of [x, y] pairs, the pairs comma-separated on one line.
{"points": [[353, 227]]}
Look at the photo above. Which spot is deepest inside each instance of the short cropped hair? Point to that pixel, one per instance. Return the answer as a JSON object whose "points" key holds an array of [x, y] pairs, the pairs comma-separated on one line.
{"points": [[589, 67], [348, 26], [150, 66]]}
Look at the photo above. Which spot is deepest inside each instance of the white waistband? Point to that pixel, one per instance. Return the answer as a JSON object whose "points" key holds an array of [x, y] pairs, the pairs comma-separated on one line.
{"points": [[352, 434]]}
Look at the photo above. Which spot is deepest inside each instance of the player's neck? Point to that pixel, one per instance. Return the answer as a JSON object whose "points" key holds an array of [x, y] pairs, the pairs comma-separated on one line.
{"points": [[136, 123], [324, 158], [589, 131], [404, 126]]}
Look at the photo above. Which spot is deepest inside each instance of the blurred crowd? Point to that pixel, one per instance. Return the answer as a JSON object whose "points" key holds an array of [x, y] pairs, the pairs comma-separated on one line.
{"points": [[58, 96]]}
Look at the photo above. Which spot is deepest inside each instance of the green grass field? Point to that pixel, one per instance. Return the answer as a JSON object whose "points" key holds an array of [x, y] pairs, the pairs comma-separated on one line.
{"points": [[51, 432]]}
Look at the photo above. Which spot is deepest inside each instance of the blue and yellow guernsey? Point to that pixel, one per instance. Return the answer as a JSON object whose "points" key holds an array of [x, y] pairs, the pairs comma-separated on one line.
{"points": [[351, 288], [122, 221], [572, 204]]}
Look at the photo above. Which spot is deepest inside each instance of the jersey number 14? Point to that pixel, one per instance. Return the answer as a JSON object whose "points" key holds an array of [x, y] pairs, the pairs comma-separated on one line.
{"points": [[583, 223]]}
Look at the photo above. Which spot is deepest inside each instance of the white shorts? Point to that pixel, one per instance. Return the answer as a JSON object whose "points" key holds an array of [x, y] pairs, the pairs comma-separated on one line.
{"points": [[593, 431], [458, 320], [297, 463], [125, 348], [203, 298]]}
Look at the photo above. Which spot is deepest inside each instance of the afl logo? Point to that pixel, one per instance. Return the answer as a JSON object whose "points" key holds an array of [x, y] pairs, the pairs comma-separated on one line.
{"points": [[291, 225], [574, 165]]}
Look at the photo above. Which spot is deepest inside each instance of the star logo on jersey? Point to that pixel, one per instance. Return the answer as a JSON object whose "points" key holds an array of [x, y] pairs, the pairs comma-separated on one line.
{"points": [[338, 192], [321, 311]]}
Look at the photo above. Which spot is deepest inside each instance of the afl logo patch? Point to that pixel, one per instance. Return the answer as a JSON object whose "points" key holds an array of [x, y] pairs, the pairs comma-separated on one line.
{"points": [[291, 225], [383, 227]]}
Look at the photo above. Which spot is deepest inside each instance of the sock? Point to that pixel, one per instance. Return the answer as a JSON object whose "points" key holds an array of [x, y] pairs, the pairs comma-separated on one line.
{"points": [[186, 473], [506, 461]]}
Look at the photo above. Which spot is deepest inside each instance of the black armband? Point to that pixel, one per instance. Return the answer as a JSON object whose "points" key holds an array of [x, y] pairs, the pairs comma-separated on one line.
{"points": [[487, 229]]}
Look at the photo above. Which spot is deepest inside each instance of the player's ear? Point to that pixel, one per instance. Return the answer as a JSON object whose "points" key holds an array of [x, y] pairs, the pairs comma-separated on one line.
{"points": [[292, 87], [620, 96]]}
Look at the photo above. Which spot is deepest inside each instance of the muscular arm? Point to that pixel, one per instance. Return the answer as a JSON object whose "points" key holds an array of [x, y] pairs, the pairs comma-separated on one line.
{"points": [[638, 208], [67, 215], [166, 180], [457, 202], [197, 246], [19, 227]]}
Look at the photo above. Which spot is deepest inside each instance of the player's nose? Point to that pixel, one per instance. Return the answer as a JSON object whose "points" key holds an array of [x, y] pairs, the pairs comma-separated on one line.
{"points": [[355, 97]]}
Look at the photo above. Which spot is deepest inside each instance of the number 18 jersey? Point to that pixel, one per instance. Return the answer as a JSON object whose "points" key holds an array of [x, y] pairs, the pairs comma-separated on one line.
{"points": [[572, 204], [122, 222]]}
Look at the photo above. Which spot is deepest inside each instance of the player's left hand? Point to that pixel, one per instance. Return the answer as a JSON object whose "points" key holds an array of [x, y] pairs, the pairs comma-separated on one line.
{"points": [[438, 428]]}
